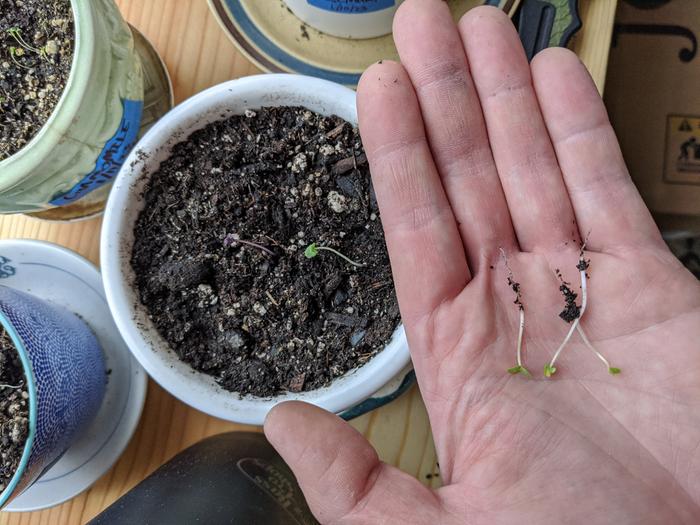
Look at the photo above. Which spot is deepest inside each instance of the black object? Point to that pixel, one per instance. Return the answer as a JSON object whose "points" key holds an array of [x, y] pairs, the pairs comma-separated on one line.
{"points": [[685, 54], [547, 23], [233, 478]]}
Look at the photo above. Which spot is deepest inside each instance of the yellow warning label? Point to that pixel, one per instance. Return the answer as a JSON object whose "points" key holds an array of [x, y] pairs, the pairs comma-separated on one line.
{"points": [[682, 164]]}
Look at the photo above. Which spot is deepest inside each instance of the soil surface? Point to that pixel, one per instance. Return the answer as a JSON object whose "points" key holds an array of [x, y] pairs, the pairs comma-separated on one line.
{"points": [[219, 252], [14, 410], [36, 52]]}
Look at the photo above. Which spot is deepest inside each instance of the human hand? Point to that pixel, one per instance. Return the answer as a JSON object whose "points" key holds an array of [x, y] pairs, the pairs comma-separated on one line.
{"points": [[473, 150]]}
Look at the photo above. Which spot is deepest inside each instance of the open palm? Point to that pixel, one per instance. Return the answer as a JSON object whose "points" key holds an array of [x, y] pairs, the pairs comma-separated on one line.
{"points": [[473, 150]]}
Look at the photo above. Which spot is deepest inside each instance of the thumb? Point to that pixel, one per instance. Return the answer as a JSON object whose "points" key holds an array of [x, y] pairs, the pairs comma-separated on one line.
{"points": [[340, 473]]}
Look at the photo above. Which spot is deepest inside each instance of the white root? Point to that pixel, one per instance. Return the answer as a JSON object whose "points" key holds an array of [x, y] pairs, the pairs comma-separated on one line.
{"points": [[521, 330], [575, 323], [587, 342], [521, 324]]}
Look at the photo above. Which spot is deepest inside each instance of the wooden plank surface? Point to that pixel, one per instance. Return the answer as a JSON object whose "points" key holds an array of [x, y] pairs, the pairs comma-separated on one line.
{"points": [[198, 55]]}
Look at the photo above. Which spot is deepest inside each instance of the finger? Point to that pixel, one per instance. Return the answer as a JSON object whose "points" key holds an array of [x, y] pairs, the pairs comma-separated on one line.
{"points": [[340, 473], [432, 53], [539, 204], [427, 255], [605, 199]]}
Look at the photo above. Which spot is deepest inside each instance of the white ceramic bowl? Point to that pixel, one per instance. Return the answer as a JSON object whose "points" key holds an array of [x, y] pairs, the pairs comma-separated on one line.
{"points": [[195, 388]]}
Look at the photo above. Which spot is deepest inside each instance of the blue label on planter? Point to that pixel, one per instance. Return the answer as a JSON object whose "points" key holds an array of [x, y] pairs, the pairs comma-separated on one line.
{"points": [[352, 6], [112, 157]]}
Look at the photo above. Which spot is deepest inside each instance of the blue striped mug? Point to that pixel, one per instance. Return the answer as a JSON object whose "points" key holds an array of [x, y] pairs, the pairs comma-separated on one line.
{"points": [[65, 376]]}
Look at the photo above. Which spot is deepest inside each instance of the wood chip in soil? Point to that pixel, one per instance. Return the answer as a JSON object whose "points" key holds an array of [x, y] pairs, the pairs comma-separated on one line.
{"points": [[36, 53], [219, 252]]}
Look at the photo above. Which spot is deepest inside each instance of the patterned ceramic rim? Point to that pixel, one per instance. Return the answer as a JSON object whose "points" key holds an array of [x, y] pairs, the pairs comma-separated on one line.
{"points": [[31, 389], [270, 57]]}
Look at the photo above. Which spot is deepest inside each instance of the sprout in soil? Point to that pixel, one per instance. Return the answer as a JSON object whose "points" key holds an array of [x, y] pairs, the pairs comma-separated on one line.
{"points": [[573, 313], [17, 52], [515, 286], [233, 238], [312, 250], [16, 33]]}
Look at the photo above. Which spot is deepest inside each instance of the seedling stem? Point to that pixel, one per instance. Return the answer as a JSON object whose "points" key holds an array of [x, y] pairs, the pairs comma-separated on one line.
{"points": [[14, 55], [16, 33], [312, 250], [582, 266], [233, 239], [584, 301], [515, 286]]}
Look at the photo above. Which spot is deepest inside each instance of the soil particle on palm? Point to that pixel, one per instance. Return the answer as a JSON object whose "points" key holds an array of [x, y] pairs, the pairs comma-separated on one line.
{"points": [[36, 53], [14, 410], [571, 310], [219, 252]]}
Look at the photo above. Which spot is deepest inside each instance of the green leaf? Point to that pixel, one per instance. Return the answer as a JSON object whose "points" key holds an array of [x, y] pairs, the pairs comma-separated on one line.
{"points": [[549, 370], [311, 251], [515, 370], [524, 371], [614, 371]]}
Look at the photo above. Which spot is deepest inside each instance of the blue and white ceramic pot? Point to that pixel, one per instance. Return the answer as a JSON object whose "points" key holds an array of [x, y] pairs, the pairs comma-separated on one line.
{"points": [[65, 374]]}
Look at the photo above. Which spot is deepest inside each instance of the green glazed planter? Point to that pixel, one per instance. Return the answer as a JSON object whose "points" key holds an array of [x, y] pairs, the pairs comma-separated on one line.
{"points": [[94, 125]]}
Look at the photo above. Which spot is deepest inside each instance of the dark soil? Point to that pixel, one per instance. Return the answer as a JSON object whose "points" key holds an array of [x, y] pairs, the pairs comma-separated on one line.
{"points": [[219, 252], [14, 410], [571, 310], [36, 52]]}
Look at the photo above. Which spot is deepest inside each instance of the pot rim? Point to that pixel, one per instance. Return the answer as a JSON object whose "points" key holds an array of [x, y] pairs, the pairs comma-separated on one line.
{"points": [[196, 388], [15, 167], [31, 389]]}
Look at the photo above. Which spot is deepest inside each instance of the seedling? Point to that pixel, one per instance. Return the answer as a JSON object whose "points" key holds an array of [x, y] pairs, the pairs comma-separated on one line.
{"points": [[313, 249], [573, 313], [232, 239], [515, 286], [12, 387], [17, 52], [16, 33]]}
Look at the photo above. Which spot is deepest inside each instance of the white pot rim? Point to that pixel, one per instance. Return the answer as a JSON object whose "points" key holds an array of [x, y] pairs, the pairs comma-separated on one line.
{"points": [[195, 388]]}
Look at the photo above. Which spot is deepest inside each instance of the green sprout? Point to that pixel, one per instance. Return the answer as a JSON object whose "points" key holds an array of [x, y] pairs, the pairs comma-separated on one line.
{"points": [[549, 370], [16, 33], [313, 249], [17, 52], [519, 369]]}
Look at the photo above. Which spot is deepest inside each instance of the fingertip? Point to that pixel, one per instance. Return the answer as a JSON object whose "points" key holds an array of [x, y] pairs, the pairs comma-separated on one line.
{"points": [[376, 76], [405, 17], [383, 93], [479, 15], [555, 58]]}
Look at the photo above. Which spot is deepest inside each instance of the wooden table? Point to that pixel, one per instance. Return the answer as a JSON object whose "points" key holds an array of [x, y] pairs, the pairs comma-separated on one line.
{"points": [[198, 55]]}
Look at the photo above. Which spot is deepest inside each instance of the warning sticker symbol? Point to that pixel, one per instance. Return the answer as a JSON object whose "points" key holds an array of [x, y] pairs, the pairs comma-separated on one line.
{"points": [[682, 163], [685, 126]]}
